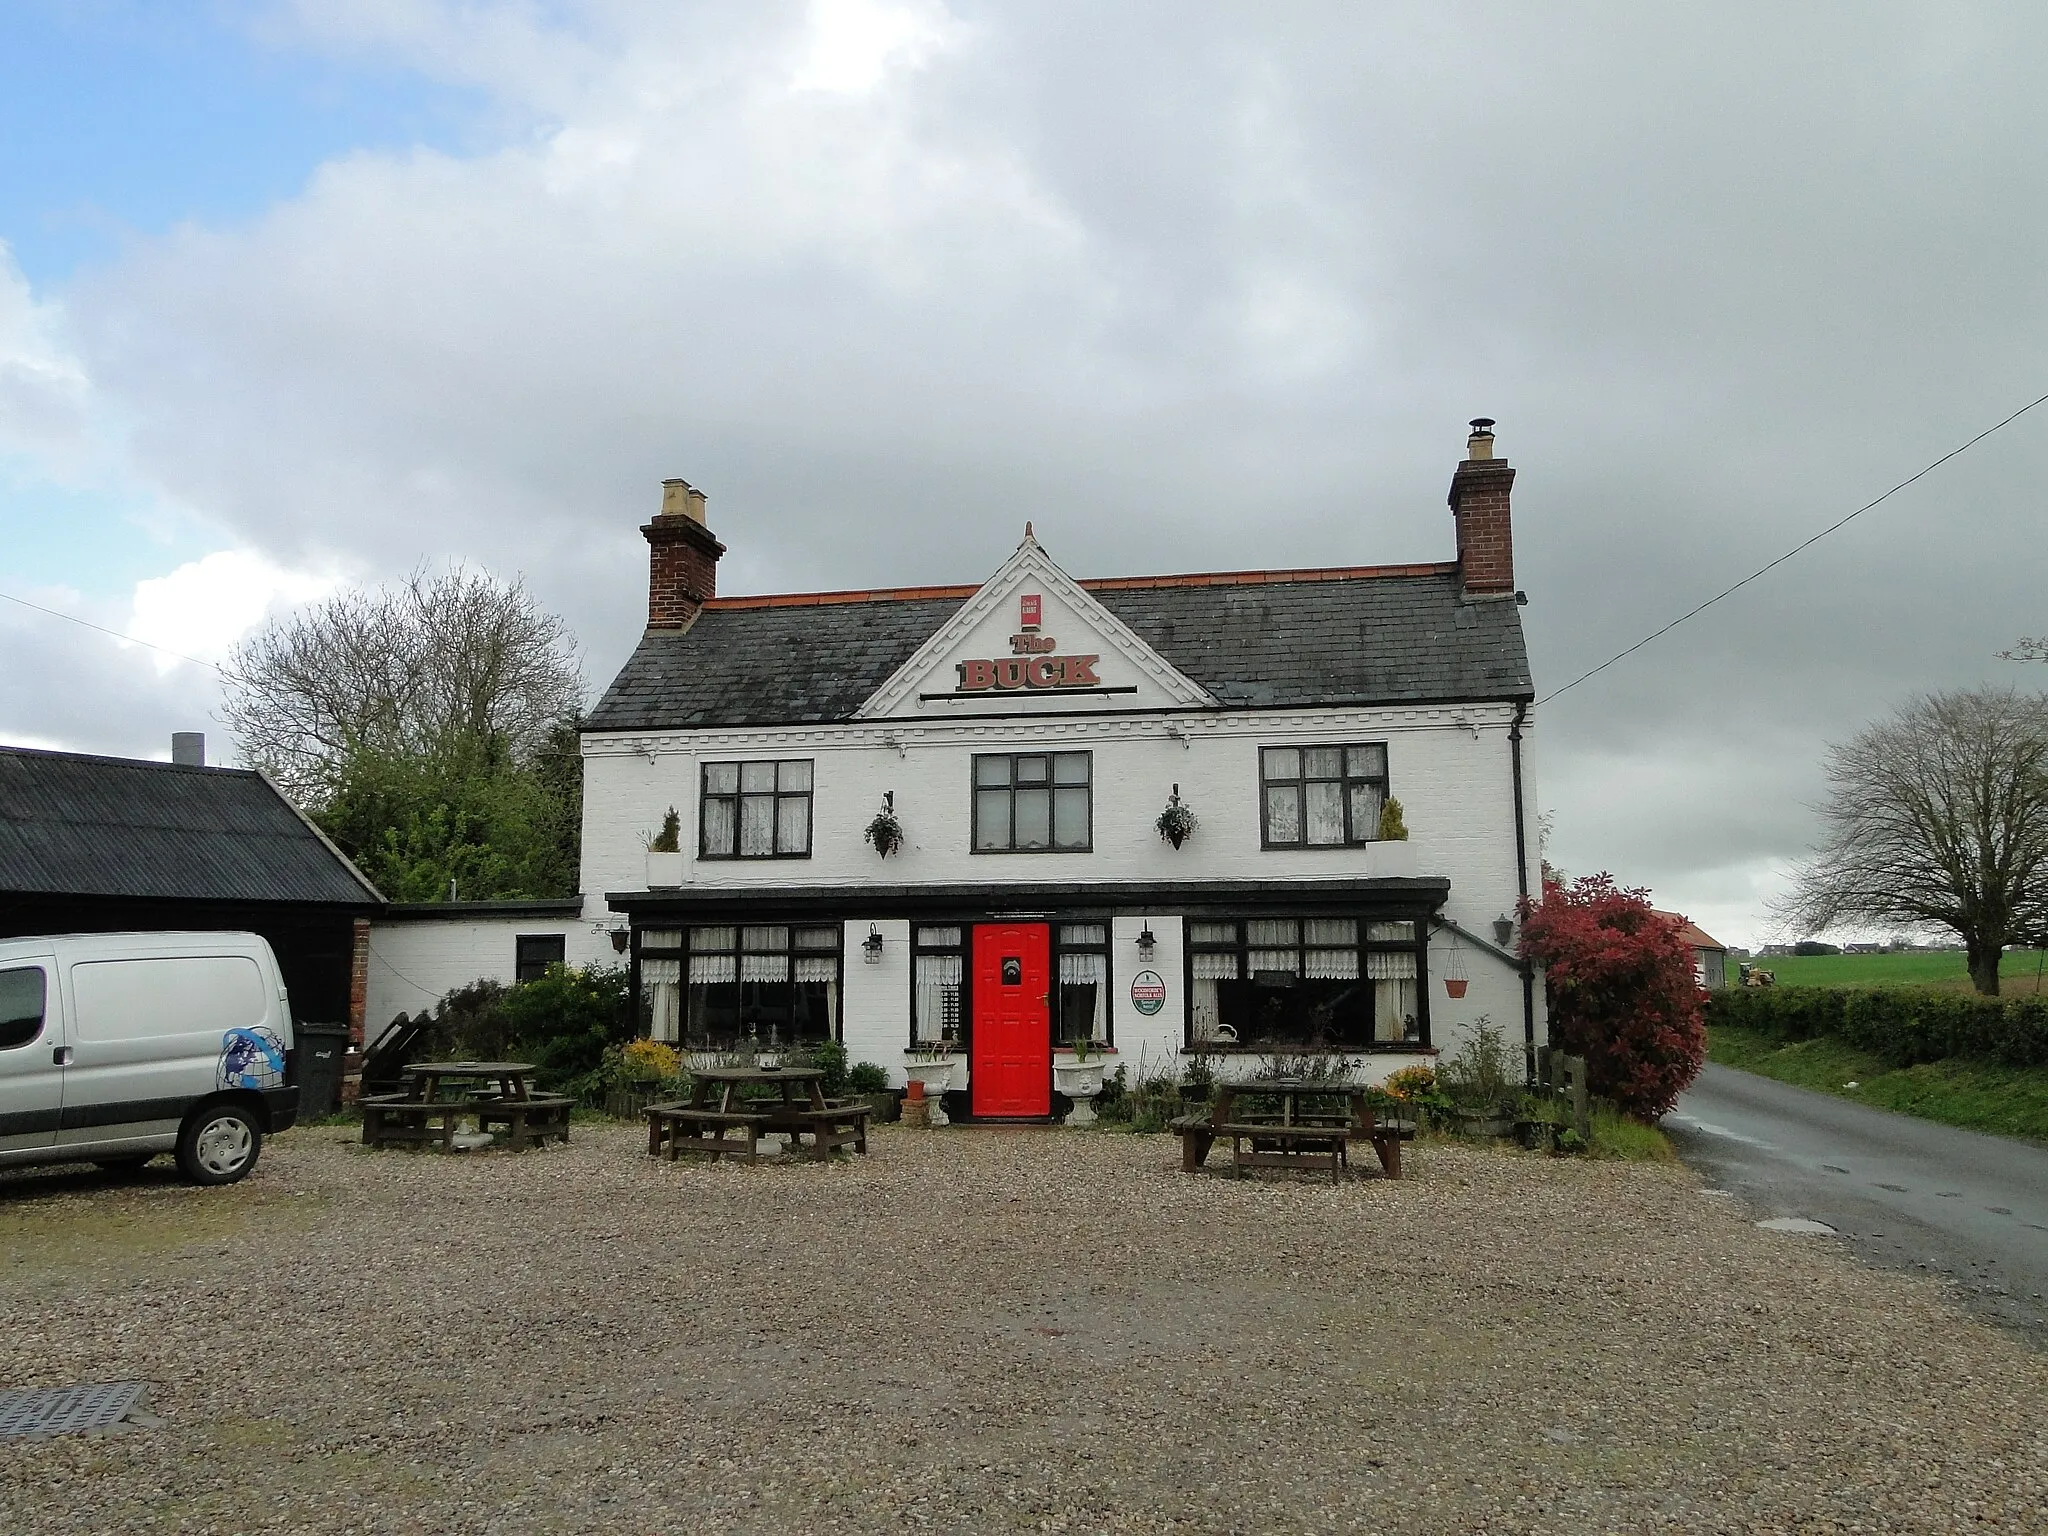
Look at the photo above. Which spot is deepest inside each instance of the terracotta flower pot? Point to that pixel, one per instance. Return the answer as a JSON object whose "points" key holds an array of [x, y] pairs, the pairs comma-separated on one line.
{"points": [[1456, 985]]}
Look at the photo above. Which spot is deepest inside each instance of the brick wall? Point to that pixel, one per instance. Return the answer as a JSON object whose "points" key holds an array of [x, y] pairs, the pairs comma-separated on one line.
{"points": [[682, 569], [1486, 543]]}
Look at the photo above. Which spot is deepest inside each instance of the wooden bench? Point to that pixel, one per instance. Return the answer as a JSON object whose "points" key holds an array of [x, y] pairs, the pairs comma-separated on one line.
{"points": [[397, 1119], [677, 1128], [1309, 1148], [836, 1125], [1198, 1134], [527, 1122]]}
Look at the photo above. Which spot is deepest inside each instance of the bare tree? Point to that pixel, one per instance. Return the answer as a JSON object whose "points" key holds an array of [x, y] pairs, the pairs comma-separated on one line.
{"points": [[2030, 648], [1938, 817], [437, 667]]}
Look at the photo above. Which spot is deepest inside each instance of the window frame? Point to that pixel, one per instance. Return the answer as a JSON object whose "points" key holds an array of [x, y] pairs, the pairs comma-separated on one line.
{"points": [[1366, 946], [684, 950], [739, 795], [1107, 949], [520, 963], [975, 790], [1302, 780], [42, 1012], [962, 1042]]}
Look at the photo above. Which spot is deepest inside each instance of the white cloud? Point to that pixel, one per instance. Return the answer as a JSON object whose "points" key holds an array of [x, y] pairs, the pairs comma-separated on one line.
{"points": [[44, 395], [204, 606], [853, 44]]}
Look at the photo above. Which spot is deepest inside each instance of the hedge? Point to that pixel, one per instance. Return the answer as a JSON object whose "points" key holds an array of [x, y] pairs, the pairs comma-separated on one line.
{"points": [[1902, 1025]]}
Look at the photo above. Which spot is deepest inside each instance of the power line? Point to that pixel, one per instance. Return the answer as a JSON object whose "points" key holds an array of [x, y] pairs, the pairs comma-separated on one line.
{"points": [[72, 618], [1753, 575]]}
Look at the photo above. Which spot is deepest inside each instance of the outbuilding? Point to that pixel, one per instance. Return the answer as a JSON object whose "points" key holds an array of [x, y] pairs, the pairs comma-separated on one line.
{"points": [[109, 844]]}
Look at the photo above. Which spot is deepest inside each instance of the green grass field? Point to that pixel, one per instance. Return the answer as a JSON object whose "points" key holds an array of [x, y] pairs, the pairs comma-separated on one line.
{"points": [[2020, 976], [1977, 1095]]}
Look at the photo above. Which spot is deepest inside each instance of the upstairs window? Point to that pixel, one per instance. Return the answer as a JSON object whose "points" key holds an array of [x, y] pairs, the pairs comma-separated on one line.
{"points": [[1322, 797], [756, 811], [1034, 802]]}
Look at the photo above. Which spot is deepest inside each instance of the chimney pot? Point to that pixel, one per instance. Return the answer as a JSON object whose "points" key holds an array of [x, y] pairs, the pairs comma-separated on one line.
{"points": [[682, 558], [188, 748], [1480, 444]]}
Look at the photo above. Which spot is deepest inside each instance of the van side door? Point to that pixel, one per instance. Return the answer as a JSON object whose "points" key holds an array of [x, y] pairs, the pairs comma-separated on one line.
{"points": [[32, 1051]]}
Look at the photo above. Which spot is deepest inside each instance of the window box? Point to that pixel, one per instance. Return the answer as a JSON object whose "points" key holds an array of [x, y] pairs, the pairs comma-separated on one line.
{"points": [[664, 871]]}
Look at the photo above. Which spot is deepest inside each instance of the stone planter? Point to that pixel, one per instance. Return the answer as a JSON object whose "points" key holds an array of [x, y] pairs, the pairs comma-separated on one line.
{"points": [[1489, 1123], [664, 871], [937, 1077], [882, 1107], [1080, 1081], [1391, 858]]}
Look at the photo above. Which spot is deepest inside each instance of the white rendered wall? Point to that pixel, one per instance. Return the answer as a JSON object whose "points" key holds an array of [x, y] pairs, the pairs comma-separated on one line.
{"points": [[1449, 767], [417, 961]]}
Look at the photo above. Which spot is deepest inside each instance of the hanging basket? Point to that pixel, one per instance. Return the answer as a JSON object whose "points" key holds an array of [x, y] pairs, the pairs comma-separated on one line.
{"points": [[1456, 985], [1176, 823], [885, 831], [1454, 968]]}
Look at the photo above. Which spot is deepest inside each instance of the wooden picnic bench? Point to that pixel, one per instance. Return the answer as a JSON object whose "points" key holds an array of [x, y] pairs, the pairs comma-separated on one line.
{"points": [[1297, 1137], [679, 1128], [528, 1122], [399, 1119]]}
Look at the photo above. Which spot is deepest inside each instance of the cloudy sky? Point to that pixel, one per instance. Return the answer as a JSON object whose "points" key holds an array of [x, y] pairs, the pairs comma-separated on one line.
{"points": [[300, 294]]}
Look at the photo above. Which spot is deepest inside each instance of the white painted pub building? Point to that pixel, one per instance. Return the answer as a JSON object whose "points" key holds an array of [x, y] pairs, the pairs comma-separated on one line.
{"points": [[1024, 736]]}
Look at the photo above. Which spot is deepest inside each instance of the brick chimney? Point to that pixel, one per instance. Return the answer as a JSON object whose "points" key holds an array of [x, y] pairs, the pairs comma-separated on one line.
{"points": [[1479, 502], [682, 558]]}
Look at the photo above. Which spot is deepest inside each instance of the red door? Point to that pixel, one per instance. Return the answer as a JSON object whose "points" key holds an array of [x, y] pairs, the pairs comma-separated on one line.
{"points": [[1012, 1053]]}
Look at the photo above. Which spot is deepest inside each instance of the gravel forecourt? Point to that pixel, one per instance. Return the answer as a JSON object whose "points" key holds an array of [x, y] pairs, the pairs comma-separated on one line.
{"points": [[985, 1330]]}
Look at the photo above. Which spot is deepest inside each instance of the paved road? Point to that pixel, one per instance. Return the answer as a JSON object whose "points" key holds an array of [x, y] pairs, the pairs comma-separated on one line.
{"points": [[1902, 1192]]}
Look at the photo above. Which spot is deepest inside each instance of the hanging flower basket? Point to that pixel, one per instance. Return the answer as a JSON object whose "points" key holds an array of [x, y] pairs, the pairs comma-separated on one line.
{"points": [[1176, 823], [1454, 968], [885, 831]]}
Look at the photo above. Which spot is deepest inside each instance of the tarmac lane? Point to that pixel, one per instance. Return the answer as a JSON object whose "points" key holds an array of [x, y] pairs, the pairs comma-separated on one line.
{"points": [[1899, 1192]]}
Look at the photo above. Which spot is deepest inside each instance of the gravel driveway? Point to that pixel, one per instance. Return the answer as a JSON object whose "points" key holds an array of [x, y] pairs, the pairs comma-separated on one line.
{"points": [[985, 1330]]}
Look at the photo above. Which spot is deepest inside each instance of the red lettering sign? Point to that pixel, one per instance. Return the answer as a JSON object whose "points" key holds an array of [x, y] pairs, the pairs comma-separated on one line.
{"points": [[1036, 671], [1027, 607], [1033, 645]]}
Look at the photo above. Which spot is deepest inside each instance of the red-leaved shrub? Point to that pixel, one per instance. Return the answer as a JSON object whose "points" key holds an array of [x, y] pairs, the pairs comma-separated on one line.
{"points": [[1621, 989]]}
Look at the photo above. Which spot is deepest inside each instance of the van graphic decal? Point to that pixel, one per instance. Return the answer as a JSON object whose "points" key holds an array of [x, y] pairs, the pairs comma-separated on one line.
{"points": [[251, 1058]]}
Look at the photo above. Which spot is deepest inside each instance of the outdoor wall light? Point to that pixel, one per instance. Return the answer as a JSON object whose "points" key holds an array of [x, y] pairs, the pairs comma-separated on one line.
{"points": [[871, 947], [620, 938], [1503, 928], [1147, 941]]}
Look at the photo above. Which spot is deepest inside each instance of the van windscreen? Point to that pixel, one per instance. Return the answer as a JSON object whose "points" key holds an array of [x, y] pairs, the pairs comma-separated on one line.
{"points": [[21, 1007]]}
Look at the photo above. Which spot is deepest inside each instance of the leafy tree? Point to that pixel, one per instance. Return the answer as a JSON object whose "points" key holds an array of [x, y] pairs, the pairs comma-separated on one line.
{"points": [[1938, 817], [1619, 978], [430, 729]]}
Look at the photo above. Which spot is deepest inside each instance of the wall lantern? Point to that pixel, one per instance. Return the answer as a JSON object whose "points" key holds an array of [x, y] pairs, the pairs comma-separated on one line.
{"points": [[871, 947], [1147, 940], [1503, 929], [620, 938]]}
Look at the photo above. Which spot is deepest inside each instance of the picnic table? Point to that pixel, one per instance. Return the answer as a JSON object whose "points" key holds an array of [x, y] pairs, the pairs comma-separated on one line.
{"points": [[1311, 1127], [733, 1125], [439, 1095]]}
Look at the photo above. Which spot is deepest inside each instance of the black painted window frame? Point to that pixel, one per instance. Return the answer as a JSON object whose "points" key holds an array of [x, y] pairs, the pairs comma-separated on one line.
{"points": [[976, 789], [740, 794], [1300, 781]]}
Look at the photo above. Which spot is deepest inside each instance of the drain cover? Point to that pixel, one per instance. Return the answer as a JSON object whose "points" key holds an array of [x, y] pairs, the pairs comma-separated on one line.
{"points": [[65, 1410]]}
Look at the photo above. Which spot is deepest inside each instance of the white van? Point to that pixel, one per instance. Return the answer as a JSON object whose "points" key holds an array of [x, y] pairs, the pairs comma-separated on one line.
{"points": [[117, 1046]]}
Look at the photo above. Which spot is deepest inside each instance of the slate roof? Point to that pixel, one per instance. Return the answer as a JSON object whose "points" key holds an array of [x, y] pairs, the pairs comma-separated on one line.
{"points": [[72, 825], [1258, 640]]}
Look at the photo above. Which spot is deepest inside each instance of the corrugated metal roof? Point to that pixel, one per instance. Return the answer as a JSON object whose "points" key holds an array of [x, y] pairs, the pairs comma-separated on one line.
{"points": [[1293, 640], [74, 825]]}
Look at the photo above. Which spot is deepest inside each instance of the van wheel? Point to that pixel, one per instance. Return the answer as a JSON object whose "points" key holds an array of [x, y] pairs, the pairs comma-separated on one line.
{"points": [[122, 1166], [219, 1144]]}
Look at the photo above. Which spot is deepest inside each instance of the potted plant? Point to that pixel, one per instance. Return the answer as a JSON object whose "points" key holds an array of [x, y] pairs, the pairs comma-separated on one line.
{"points": [[1176, 823], [1198, 1079], [932, 1065], [885, 831], [664, 853], [1080, 1080], [1478, 1084]]}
